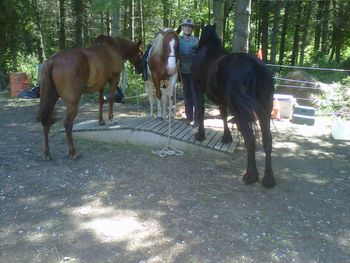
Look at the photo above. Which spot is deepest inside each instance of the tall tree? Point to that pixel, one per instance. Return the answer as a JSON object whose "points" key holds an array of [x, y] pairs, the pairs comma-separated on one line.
{"points": [[218, 14], [295, 48], [306, 19], [284, 31], [242, 26], [275, 30], [62, 21], [265, 29], [78, 9], [318, 24], [325, 29]]}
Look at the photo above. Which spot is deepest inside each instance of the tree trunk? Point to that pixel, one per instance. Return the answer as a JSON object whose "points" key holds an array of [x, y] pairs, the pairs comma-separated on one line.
{"points": [[265, 29], [218, 13], [78, 24], [284, 31], [275, 31], [166, 13], [318, 25], [102, 24], [305, 31], [295, 48], [115, 22], [108, 24], [242, 26], [325, 30], [62, 30]]}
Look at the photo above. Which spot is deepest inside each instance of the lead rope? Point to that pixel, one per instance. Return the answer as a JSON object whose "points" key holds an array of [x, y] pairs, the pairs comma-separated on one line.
{"points": [[169, 149]]}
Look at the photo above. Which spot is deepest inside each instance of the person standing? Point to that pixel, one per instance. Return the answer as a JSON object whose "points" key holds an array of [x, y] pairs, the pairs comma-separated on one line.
{"points": [[188, 46]]}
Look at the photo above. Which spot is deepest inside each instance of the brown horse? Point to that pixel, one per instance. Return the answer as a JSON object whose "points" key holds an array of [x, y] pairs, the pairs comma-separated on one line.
{"points": [[162, 66], [70, 73]]}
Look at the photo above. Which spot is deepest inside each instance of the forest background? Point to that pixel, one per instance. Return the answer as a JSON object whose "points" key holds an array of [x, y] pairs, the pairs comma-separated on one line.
{"points": [[300, 32]]}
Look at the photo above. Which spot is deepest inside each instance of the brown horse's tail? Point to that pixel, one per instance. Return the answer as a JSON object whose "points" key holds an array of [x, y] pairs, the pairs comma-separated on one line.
{"points": [[48, 95]]}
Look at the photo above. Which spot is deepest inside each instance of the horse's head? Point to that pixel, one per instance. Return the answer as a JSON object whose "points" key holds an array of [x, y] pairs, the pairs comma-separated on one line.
{"points": [[135, 56], [170, 49], [209, 36]]}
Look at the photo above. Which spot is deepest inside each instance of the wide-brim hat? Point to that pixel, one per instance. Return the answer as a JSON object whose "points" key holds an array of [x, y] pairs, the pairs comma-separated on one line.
{"points": [[188, 22]]}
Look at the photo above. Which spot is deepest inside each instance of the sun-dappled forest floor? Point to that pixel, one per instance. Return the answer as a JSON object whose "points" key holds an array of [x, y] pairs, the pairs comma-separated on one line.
{"points": [[121, 203]]}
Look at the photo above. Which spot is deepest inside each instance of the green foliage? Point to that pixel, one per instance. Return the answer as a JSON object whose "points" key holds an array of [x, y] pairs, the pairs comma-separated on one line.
{"points": [[28, 64]]}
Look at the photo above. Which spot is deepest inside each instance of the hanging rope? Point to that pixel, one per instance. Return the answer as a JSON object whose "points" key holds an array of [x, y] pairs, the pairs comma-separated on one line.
{"points": [[169, 149]]}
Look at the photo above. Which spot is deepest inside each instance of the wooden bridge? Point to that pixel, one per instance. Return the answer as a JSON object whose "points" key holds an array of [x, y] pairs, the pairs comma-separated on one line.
{"points": [[155, 132]]}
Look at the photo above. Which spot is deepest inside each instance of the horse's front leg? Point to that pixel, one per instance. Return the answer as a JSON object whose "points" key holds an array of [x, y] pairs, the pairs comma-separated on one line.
{"points": [[172, 95], [112, 85], [165, 94], [101, 101], [200, 135], [150, 94], [72, 111], [227, 137]]}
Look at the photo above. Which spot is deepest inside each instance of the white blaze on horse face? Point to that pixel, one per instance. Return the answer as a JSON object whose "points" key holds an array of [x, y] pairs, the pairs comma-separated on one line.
{"points": [[171, 59]]}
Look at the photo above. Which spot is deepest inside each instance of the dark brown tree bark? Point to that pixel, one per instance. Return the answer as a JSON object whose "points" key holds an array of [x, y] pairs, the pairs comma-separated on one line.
{"points": [[78, 10], [306, 18], [265, 29], [325, 28], [295, 48], [284, 31], [318, 24], [275, 31], [62, 30]]}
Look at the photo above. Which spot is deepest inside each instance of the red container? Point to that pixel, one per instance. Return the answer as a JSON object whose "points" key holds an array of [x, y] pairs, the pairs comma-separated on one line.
{"points": [[18, 81]]}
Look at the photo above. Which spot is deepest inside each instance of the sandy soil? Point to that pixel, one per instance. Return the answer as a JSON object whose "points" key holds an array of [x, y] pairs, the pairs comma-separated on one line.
{"points": [[121, 203]]}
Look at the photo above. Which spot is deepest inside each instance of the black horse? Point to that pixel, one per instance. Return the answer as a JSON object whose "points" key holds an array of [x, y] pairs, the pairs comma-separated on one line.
{"points": [[242, 84]]}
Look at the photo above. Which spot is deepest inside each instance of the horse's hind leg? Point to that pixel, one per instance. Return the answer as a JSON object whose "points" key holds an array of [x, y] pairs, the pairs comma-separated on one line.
{"points": [[227, 137], [251, 176], [268, 180], [72, 111], [101, 101]]}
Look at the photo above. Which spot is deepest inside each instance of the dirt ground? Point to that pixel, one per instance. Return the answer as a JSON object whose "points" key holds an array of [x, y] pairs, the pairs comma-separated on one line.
{"points": [[121, 203]]}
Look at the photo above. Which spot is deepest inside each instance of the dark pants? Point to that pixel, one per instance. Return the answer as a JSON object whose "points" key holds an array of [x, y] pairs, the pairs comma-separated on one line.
{"points": [[190, 97]]}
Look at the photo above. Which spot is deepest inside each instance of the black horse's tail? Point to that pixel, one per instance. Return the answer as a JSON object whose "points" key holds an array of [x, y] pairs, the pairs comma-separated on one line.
{"points": [[252, 93], [48, 95]]}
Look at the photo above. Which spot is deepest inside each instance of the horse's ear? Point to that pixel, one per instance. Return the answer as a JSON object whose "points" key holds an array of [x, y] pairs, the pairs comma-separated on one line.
{"points": [[178, 30], [202, 25], [214, 26]]}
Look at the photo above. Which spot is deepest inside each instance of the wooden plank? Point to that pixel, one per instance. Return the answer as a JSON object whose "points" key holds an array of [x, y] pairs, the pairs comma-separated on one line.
{"points": [[183, 133], [158, 129], [138, 122], [214, 140], [179, 130], [189, 135], [233, 145], [148, 126], [164, 130], [175, 128], [155, 125], [140, 125]]}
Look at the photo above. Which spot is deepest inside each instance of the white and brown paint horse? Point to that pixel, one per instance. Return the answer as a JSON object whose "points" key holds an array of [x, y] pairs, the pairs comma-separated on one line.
{"points": [[162, 70]]}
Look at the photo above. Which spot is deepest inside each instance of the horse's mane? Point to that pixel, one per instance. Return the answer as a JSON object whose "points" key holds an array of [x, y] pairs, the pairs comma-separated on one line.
{"points": [[157, 48], [210, 37]]}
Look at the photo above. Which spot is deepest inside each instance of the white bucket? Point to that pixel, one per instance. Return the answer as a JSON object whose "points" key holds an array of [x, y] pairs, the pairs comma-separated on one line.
{"points": [[341, 130], [286, 104]]}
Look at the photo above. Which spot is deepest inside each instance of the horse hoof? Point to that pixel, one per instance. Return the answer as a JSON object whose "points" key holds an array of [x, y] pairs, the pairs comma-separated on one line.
{"points": [[101, 123], [226, 139], [199, 137], [268, 182], [250, 179]]}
